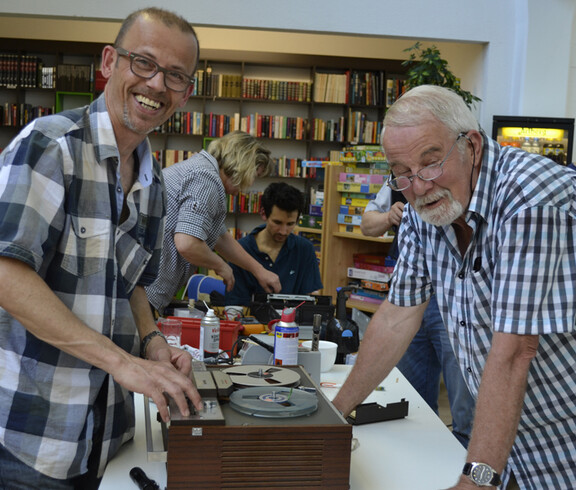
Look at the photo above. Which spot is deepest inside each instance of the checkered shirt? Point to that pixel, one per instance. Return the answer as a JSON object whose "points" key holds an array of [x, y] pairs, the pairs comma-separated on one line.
{"points": [[197, 207], [60, 207], [518, 276]]}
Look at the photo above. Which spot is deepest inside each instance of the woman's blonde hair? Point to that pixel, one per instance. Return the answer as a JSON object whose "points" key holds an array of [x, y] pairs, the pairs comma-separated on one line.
{"points": [[241, 156]]}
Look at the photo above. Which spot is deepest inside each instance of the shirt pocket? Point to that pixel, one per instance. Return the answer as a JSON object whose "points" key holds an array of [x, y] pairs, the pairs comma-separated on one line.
{"points": [[87, 246]]}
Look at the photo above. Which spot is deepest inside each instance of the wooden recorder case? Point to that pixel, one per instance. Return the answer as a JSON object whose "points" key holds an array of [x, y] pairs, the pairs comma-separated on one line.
{"points": [[235, 450]]}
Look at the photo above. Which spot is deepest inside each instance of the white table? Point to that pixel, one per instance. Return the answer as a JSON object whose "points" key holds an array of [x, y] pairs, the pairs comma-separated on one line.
{"points": [[415, 453]]}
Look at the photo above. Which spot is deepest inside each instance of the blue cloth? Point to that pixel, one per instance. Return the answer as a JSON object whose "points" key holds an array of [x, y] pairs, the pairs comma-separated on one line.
{"points": [[517, 276], [429, 355], [296, 266], [60, 213]]}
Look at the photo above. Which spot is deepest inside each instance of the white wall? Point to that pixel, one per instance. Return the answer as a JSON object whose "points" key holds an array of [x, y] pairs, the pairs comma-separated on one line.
{"points": [[526, 65]]}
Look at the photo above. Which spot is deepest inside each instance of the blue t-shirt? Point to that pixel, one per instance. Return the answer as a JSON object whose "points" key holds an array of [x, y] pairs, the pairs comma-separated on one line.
{"points": [[296, 266]]}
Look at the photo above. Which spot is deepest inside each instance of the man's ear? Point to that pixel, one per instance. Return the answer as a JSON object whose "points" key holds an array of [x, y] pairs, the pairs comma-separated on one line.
{"points": [[477, 143], [262, 213], [109, 57]]}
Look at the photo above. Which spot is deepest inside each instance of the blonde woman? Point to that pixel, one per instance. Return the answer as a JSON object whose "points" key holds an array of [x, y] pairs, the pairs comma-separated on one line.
{"points": [[196, 209]]}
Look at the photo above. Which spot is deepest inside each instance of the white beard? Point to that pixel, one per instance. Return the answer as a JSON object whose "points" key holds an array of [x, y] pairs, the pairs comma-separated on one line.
{"points": [[443, 215]]}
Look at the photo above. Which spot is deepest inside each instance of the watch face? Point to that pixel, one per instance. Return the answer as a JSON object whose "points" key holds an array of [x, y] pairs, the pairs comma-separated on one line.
{"points": [[481, 474]]}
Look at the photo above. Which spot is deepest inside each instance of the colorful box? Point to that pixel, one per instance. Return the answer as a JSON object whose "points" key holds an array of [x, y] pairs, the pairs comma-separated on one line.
{"points": [[315, 210], [349, 229], [358, 187], [349, 219], [362, 178], [352, 210]]}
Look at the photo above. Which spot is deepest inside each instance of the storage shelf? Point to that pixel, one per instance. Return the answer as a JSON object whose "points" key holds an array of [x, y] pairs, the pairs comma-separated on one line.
{"points": [[362, 306], [355, 236], [305, 229]]}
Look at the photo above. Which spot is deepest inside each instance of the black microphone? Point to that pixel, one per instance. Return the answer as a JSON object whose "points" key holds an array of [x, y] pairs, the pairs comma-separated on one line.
{"points": [[477, 264], [144, 483]]}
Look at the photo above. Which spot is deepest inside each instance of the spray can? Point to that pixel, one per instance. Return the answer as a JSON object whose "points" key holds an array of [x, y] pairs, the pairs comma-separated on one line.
{"points": [[209, 335], [286, 339]]}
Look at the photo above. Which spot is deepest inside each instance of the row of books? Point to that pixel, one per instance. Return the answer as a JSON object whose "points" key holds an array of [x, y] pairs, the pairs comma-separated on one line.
{"points": [[354, 87], [28, 71], [224, 85], [283, 90], [47, 77], [283, 166], [217, 84], [368, 88], [18, 115], [170, 157], [355, 128], [361, 129], [351, 87], [275, 126], [16, 70], [395, 87], [75, 78], [330, 130], [244, 202], [183, 122], [291, 167]]}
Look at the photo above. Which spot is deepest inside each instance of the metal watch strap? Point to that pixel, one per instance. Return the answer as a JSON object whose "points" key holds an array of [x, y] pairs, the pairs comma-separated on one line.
{"points": [[146, 340], [494, 482]]}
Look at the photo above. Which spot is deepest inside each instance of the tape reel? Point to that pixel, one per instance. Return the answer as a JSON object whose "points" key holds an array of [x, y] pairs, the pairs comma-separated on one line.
{"points": [[274, 403], [251, 376]]}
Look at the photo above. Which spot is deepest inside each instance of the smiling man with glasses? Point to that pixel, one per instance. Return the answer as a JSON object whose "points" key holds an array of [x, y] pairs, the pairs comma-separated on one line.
{"points": [[82, 211], [491, 231]]}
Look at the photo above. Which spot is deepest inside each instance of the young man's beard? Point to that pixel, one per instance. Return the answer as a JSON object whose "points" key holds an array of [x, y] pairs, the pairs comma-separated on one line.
{"points": [[442, 215]]}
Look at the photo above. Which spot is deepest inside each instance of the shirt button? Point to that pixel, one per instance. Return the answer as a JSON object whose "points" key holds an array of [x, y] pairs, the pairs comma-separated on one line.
{"points": [[119, 189], [82, 230], [469, 369], [461, 275], [462, 323]]}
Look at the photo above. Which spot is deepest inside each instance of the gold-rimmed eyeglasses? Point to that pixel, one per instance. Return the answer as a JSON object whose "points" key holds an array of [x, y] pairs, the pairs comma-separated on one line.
{"points": [[426, 174]]}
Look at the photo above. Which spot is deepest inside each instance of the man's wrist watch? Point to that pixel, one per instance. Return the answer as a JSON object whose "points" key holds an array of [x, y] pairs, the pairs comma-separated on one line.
{"points": [[481, 474]]}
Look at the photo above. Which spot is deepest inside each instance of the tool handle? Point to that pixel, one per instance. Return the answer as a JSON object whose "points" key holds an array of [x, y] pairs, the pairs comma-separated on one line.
{"points": [[316, 325], [142, 481]]}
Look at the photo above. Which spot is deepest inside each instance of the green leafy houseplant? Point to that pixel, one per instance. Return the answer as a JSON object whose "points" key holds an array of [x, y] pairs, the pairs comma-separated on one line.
{"points": [[426, 66]]}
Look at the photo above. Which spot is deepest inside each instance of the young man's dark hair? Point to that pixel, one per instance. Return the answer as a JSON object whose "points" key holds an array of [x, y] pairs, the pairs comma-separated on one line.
{"points": [[284, 196]]}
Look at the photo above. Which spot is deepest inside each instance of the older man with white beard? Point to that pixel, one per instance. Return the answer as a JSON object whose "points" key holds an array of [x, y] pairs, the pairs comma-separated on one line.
{"points": [[492, 231]]}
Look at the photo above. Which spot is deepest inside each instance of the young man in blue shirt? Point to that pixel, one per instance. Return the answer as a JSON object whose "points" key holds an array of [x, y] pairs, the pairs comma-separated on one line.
{"points": [[279, 250]]}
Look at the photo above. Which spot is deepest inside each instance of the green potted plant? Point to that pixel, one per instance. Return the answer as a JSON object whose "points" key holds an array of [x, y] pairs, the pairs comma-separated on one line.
{"points": [[426, 66]]}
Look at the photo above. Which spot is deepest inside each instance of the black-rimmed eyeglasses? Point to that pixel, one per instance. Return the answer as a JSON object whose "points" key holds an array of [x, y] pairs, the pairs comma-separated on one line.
{"points": [[146, 68], [426, 174]]}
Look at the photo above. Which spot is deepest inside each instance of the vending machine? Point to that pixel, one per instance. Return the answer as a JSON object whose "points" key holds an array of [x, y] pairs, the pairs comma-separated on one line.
{"points": [[549, 136]]}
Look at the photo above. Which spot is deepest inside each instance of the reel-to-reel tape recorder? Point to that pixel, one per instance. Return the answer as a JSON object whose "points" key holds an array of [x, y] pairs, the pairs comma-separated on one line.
{"points": [[261, 427]]}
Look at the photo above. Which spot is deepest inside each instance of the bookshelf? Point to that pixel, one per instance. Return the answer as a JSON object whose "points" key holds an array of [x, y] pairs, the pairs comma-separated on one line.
{"points": [[38, 78], [302, 106]]}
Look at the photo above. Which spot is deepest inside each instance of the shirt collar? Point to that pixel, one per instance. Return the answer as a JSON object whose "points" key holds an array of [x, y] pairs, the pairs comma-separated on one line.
{"points": [[480, 201]]}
